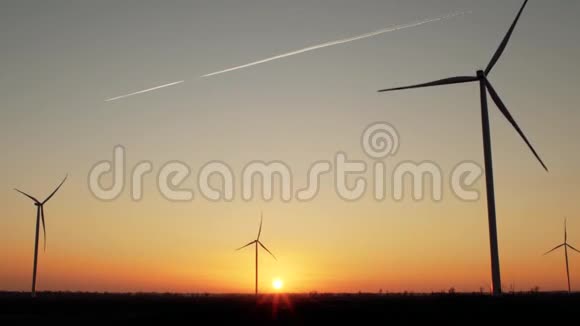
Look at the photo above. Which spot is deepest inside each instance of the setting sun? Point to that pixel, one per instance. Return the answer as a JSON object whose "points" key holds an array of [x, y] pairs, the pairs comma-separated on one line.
{"points": [[277, 284]]}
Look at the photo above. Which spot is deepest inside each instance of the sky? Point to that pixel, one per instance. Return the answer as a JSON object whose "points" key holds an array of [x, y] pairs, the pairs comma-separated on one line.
{"points": [[61, 60]]}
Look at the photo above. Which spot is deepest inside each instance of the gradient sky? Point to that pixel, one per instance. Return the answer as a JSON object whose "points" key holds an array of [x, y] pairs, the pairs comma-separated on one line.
{"points": [[61, 59]]}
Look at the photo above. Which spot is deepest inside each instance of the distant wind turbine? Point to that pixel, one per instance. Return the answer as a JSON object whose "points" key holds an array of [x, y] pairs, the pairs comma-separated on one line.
{"points": [[485, 86], [39, 217], [566, 245], [257, 243]]}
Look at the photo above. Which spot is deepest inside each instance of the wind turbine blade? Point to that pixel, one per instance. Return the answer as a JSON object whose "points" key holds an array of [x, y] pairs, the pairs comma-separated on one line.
{"points": [[260, 229], [27, 195], [504, 42], [558, 247], [446, 81], [565, 230], [43, 225], [249, 244], [267, 250], [501, 106], [54, 192], [571, 247]]}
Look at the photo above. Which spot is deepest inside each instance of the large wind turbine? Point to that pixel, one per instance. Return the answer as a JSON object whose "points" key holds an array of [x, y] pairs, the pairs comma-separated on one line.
{"points": [[485, 87], [39, 216], [566, 246], [257, 243]]}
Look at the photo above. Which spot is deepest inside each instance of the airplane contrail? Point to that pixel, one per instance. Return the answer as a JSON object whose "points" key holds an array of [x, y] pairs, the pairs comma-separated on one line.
{"points": [[145, 91], [308, 49], [337, 42]]}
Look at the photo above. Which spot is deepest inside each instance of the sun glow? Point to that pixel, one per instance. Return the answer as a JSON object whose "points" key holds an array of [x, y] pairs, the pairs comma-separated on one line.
{"points": [[277, 284]]}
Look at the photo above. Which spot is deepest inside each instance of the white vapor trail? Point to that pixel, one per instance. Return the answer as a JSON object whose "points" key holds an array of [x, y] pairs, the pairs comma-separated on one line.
{"points": [[308, 49], [145, 91], [333, 43]]}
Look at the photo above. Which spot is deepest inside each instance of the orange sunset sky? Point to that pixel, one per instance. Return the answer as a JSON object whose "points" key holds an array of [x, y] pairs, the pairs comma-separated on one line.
{"points": [[60, 61]]}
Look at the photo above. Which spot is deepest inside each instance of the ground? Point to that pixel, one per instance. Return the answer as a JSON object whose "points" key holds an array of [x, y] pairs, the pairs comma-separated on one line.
{"points": [[292, 309]]}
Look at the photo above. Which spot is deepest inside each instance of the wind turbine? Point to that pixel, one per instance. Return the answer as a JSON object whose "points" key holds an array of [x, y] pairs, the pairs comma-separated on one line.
{"points": [[566, 246], [485, 87], [39, 216], [257, 243]]}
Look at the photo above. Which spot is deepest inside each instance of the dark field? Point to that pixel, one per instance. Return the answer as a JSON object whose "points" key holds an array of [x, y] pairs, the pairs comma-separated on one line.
{"points": [[68, 308]]}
